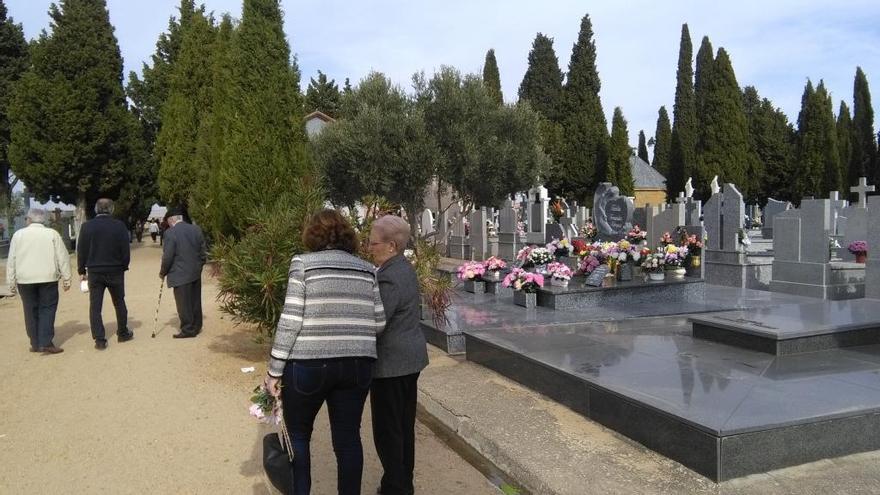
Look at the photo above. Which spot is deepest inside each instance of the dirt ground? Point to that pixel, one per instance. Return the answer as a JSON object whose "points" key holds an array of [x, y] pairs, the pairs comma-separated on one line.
{"points": [[159, 415]]}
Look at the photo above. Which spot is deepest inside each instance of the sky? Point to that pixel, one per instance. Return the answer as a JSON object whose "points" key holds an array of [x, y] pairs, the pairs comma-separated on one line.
{"points": [[775, 45]]}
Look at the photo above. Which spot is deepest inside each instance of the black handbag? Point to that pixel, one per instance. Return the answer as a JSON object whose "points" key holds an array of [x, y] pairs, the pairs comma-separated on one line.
{"points": [[278, 459]]}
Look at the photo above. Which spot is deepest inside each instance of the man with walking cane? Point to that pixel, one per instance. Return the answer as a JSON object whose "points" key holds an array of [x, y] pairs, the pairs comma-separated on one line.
{"points": [[184, 253]]}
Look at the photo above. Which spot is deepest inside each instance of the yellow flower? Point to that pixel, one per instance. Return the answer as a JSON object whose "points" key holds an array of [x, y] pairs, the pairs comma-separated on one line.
{"points": [[671, 249], [623, 245], [517, 285]]}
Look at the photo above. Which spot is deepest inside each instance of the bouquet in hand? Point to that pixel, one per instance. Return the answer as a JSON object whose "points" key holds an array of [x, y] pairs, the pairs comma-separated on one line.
{"points": [[265, 407]]}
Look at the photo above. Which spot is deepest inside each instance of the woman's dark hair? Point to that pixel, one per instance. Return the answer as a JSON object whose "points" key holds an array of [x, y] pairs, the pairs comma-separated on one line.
{"points": [[327, 229]]}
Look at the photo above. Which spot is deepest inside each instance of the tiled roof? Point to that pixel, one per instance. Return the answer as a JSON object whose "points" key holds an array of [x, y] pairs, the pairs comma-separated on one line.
{"points": [[644, 175]]}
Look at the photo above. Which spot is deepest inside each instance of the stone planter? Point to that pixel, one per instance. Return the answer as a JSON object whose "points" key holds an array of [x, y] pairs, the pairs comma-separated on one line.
{"points": [[679, 272], [556, 282], [492, 276], [526, 300], [624, 272], [497, 289], [475, 287], [656, 276]]}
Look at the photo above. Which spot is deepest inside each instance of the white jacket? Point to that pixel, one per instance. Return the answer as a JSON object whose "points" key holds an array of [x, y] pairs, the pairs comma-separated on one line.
{"points": [[37, 255]]}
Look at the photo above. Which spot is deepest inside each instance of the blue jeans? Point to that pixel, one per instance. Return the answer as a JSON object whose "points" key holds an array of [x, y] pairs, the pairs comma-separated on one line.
{"points": [[40, 302], [343, 383]]}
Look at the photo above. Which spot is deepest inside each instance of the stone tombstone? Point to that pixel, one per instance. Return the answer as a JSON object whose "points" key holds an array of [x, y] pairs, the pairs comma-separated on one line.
{"points": [[583, 214], [872, 269], [458, 247], [712, 222], [478, 235], [612, 213], [662, 219], [539, 200], [772, 209], [640, 216], [427, 222], [801, 235], [508, 238], [731, 210], [862, 189], [693, 212]]}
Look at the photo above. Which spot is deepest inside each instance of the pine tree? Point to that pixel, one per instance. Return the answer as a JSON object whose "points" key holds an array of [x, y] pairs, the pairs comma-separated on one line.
{"points": [[817, 154], [662, 143], [583, 160], [188, 102], [845, 143], [70, 130], [491, 77], [683, 141], [259, 123], [542, 83], [13, 63], [643, 147], [864, 155], [619, 155], [323, 95], [722, 147]]}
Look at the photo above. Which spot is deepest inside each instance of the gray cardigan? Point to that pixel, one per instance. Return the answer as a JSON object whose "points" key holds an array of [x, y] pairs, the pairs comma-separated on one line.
{"points": [[401, 348]]}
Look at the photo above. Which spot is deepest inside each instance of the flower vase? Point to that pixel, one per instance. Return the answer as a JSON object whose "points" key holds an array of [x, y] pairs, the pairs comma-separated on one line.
{"points": [[528, 300], [475, 286], [624, 272], [556, 282], [542, 269], [678, 272], [656, 276], [861, 257], [493, 275]]}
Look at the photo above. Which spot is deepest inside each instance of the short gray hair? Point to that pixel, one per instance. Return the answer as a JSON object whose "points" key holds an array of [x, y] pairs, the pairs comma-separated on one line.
{"points": [[393, 228], [104, 206], [37, 215], [175, 218]]}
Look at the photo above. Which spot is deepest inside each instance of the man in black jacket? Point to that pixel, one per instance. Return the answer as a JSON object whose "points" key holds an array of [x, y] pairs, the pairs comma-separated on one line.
{"points": [[103, 255], [184, 253]]}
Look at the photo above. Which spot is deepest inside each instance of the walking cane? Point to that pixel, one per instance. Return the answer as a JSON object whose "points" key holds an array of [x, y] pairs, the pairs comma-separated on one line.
{"points": [[158, 305]]}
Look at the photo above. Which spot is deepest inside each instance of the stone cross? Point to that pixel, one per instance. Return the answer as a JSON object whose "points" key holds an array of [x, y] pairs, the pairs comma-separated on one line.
{"points": [[862, 189], [682, 198]]}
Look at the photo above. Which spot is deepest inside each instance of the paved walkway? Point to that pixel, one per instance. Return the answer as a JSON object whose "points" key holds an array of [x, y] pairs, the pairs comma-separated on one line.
{"points": [[158, 415]]}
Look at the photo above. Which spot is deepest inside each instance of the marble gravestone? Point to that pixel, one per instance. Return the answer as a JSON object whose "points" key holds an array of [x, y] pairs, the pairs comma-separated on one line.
{"points": [[427, 222], [661, 219], [724, 256], [508, 238], [772, 209], [612, 213], [802, 264], [856, 215], [872, 269], [458, 246], [478, 235], [539, 200]]}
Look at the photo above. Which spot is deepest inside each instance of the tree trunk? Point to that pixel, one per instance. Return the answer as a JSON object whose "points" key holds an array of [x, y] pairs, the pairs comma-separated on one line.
{"points": [[80, 213]]}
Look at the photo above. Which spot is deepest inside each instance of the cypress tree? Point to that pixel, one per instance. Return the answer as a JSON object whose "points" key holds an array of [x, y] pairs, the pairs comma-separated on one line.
{"points": [[323, 95], [542, 83], [491, 77], [583, 160], [662, 143], [702, 75], [683, 141], [188, 102], [817, 154], [844, 143], [619, 155], [722, 148], [13, 63], [754, 164], [70, 130], [260, 121], [643, 147], [864, 154]]}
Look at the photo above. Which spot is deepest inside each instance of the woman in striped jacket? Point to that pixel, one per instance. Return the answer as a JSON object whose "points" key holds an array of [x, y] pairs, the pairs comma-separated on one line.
{"points": [[325, 345]]}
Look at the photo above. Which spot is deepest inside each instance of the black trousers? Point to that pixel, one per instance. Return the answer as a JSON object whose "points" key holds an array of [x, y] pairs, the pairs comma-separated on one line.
{"points": [[40, 302], [188, 298], [393, 405], [114, 283]]}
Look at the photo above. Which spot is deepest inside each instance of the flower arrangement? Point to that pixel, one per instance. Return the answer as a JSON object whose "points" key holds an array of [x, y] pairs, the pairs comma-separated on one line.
{"points": [[520, 279], [494, 264], [265, 407], [674, 256], [559, 271], [557, 210], [654, 262], [540, 256], [521, 228], [743, 237], [588, 264], [636, 235], [559, 247], [523, 255], [627, 252], [471, 270], [666, 239], [588, 231], [694, 245], [858, 247], [579, 247]]}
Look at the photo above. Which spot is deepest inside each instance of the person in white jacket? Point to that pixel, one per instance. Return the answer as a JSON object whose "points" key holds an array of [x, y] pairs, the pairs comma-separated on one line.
{"points": [[37, 260]]}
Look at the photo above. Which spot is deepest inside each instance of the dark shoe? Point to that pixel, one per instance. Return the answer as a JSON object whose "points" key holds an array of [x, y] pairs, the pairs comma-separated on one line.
{"points": [[34, 349], [125, 337], [183, 335], [100, 345], [51, 350]]}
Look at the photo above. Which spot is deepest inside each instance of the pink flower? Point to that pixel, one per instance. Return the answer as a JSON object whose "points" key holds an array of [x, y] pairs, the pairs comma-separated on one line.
{"points": [[257, 412]]}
